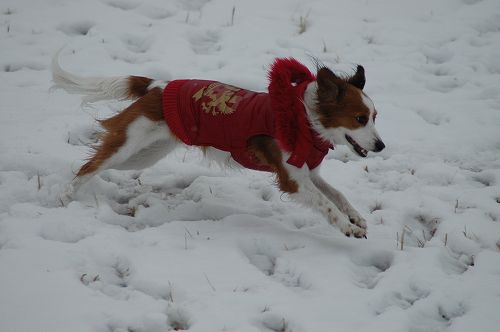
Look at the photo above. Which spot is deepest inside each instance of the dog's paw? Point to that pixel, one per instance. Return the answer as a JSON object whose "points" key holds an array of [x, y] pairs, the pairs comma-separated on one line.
{"points": [[355, 231], [357, 220], [350, 229]]}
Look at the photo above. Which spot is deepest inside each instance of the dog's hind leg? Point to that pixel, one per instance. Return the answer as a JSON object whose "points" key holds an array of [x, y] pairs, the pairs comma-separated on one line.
{"points": [[134, 139]]}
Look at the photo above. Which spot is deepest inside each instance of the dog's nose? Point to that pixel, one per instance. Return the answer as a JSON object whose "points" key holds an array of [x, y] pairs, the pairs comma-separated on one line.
{"points": [[379, 146]]}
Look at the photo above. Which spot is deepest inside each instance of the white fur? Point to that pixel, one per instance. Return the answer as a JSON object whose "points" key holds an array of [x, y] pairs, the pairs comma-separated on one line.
{"points": [[147, 142], [93, 88], [368, 102]]}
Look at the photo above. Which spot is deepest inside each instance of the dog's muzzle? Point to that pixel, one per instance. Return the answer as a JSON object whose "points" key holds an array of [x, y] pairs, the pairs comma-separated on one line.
{"points": [[379, 146]]}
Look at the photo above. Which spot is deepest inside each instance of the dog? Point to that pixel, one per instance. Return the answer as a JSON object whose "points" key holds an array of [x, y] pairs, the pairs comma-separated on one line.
{"points": [[286, 131]]}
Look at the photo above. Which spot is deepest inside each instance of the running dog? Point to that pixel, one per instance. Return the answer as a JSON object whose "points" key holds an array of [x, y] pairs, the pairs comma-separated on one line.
{"points": [[287, 131]]}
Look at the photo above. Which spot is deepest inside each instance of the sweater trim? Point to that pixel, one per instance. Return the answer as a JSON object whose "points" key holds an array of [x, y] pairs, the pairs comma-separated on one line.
{"points": [[288, 82], [171, 111]]}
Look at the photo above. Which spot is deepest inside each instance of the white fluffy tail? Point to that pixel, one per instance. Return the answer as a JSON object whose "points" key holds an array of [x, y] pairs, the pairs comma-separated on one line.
{"points": [[98, 88]]}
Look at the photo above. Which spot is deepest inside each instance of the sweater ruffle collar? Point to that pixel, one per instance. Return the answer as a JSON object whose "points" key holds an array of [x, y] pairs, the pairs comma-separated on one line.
{"points": [[288, 80]]}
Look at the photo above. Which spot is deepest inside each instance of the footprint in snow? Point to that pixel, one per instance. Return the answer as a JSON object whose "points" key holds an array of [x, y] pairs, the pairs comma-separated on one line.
{"points": [[489, 24], [455, 263], [137, 44], [123, 4], [269, 261], [459, 253], [206, 42], [437, 55], [432, 117], [156, 13], [418, 229], [16, 66], [116, 278], [150, 322], [267, 193], [376, 206], [486, 178], [67, 231], [404, 298], [368, 268], [78, 28], [83, 135], [110, 277], [436, 315], [445, 84], [167, 292], [271, 322], [174, 318]]}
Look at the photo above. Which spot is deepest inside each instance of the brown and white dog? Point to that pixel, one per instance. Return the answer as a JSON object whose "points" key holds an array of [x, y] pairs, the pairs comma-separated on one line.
{"points": [[336, 109]]}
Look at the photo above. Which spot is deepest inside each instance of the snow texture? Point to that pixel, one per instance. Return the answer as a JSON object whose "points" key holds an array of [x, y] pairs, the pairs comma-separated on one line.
{"points": [[187, 246]]}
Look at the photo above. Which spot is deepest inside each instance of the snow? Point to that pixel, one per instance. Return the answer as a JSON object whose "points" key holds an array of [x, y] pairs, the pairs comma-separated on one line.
{"points": [[189, 246]]}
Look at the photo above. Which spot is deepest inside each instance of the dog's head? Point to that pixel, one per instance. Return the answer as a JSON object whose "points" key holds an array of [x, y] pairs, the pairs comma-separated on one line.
{"points": [[342, 113]]}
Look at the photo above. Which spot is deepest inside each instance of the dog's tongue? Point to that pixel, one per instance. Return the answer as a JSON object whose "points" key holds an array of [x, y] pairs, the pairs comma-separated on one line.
{"points": [[359, 150]]}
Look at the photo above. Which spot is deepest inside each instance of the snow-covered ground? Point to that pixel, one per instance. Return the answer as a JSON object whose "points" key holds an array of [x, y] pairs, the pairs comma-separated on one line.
{"points": [[187, 246]]}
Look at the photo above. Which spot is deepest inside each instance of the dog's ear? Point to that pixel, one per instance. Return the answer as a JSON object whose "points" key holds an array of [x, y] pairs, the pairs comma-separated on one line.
{"points": [[358, 80], [328, 88]]}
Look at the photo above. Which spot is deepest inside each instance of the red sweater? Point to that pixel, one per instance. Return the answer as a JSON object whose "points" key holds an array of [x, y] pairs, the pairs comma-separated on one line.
{"points": [[209, 113]]}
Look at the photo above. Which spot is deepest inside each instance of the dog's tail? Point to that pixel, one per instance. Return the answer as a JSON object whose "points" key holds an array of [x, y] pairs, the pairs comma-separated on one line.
{"points": [[100, 88]]}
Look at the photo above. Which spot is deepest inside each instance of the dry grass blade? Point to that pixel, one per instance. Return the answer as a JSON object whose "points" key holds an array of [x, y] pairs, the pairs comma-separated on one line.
{"points": [[39, 181], [210, 283]]}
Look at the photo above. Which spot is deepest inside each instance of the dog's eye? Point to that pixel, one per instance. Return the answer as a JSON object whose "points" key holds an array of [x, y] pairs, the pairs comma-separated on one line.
{"points": [[362, 119]]}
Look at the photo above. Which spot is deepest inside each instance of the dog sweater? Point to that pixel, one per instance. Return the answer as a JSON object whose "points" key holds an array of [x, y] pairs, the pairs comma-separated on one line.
{"points": [[210, 113]]}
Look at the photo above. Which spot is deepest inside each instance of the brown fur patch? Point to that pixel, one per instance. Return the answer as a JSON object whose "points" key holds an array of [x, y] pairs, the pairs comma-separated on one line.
{"points": [[343, 113], [138, 86], [268, 153], [115, 135], [339, 102]]}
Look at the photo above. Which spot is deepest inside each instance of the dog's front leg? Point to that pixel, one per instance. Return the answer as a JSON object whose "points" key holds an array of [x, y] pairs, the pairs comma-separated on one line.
{"points": [[298, 184], [310, 195], [338, 199]]}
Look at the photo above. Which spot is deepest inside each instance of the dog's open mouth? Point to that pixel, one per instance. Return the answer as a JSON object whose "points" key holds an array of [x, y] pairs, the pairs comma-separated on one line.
{"points": [[359, 150]]}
